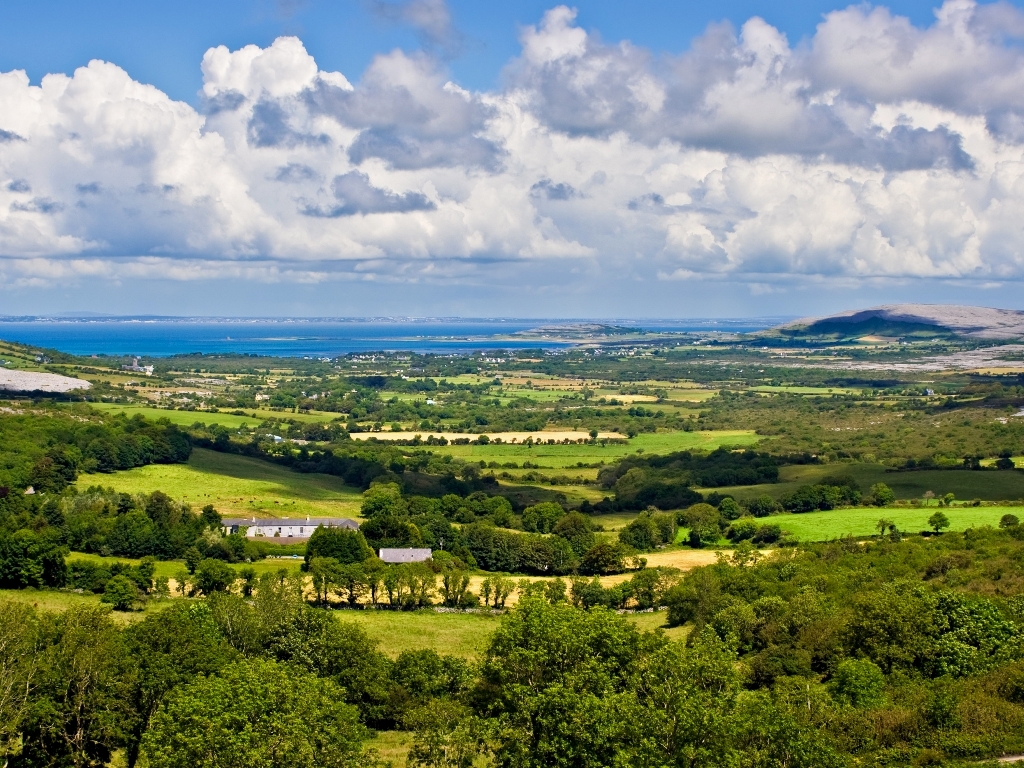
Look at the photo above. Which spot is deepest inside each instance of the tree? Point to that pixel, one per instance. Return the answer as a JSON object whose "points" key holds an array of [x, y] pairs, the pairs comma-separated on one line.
{"points": [[542, 518], [730, 509], [703, 522], [882, 495], [859, 682], [938, 521], [168, 649], [883, 525], [342, 544], [213, 576], [192, 559], [291, 718], [78, 711], [1009, 521], [323, 572], [19, 668], [120, 593], [447, 735], [763, 506], [576, 529], [383, 499]]}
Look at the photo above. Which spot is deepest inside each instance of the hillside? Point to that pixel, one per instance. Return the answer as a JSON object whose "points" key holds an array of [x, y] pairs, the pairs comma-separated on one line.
{"points": [[915, 320]]}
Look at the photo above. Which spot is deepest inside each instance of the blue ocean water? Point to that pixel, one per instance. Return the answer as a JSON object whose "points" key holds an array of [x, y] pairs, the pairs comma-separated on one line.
{"points": [[303, 338]]}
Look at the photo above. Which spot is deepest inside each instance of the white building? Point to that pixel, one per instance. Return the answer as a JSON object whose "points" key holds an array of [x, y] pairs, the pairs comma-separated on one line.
{"points": [[285, 527], [404, 555]]}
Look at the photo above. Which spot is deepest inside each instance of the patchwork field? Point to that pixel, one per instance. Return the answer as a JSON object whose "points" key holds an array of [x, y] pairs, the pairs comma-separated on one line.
{"points": [[562, 456], [237, 486], [188, 418], [505, 437]]}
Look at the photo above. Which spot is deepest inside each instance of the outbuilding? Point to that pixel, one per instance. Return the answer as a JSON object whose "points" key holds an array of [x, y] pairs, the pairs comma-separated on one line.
{"points": [[404, 555]]}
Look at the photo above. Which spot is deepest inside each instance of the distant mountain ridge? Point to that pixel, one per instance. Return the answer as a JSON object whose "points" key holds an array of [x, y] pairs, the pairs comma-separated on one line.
{"points": [[903, 319]]}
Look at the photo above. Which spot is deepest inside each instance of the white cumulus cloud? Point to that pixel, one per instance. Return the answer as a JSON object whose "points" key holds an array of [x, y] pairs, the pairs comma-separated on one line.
{"points": [[877, 149]]}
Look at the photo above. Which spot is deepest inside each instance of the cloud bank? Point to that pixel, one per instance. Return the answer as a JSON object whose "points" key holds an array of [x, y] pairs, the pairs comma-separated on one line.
{"points": [[875, 149]]}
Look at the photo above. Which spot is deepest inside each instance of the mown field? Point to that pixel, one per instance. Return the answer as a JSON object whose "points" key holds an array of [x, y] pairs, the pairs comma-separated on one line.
{"points": [[237, 486], [964, 484], [252, 418], [562, 456], [861, 521]]}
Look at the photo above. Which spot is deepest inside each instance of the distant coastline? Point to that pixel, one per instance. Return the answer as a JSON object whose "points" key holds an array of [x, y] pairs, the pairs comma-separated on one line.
{"points": [[153, 336]]}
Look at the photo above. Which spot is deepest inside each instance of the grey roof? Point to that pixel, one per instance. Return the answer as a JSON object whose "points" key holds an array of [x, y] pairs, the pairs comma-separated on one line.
{"points": [[408, 555], [328, 522]]}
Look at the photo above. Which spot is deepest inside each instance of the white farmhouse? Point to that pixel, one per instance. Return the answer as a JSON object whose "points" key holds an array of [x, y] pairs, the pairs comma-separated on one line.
{"points": [[285, 527]]}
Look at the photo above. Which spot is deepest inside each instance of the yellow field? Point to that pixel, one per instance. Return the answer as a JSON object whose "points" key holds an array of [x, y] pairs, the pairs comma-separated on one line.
{"points": [[505, 437]]}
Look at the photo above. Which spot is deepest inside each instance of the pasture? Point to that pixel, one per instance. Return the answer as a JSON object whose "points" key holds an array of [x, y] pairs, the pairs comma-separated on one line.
{"points": [[988, 485], [861, 521], [183, 418], [563, 456], [237, 486], [253, 417]]}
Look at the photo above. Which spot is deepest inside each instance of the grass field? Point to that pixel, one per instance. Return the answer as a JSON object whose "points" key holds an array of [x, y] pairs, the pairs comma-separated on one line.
{"points": [[964, 484], [237, 486], [824, 391], [188, 418], [559, 456], [825, 526], [55, 601], [182, 418]]}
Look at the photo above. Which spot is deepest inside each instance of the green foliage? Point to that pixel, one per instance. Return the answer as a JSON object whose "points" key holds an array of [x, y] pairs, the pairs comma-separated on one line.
{"points": [[882, 495], [542, 518], [291, 718], [341, 544], [650, 531], [577, 530], [29, 559], [704, 522], [383, 499], [938, 521], [213, 576], [859, 682], [120, 593]]}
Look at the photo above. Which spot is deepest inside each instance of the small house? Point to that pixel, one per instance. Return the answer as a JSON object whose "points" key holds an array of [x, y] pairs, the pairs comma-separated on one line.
{"points": [[404, 555]]}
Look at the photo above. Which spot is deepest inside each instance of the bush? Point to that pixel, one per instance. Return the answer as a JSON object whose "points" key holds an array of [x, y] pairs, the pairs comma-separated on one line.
{"points": [[213, 576], [121, 593], [763, 506], [342, 544]]}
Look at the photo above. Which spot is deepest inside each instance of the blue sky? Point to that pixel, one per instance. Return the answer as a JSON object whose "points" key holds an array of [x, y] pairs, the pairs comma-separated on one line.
{"points": [[162, 43], [424, 157]]}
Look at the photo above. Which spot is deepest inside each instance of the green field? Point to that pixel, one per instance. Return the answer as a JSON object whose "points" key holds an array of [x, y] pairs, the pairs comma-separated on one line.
{"points": [[824, 391], [181, 418], [188, 418], [237, 486], [558, 456], [825, 526], [964, 484], [61, 600], [170, 568]]}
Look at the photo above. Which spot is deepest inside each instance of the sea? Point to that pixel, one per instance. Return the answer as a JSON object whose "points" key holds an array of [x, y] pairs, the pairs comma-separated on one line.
{"points": [[312, 338]]}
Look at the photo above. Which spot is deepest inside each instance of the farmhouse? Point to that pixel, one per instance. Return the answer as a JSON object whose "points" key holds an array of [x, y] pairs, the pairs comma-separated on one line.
{"points": [[405, 555], [285, 527]]}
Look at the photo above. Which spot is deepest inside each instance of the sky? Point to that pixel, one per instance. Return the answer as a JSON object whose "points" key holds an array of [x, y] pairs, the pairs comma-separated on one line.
{"points": [[520, 159]]}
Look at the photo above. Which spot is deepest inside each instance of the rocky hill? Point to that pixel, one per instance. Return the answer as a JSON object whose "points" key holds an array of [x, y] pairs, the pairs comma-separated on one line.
{"points": [[915, 320]]}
